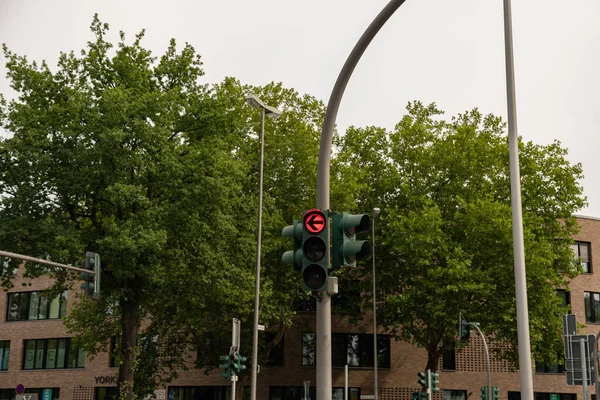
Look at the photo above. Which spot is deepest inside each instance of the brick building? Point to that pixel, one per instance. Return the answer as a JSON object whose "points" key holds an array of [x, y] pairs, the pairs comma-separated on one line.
{"points": [[35, 351]]}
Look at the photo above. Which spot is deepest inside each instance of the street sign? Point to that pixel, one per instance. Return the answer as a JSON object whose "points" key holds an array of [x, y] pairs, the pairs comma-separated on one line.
{"points": [[20, 389], [314, 221], [569, 324], [574, 358], [27, 396]]}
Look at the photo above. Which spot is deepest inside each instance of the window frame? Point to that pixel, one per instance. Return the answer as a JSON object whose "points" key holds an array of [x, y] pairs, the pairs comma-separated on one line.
{"points": [[342, 342], [4, 354], [591, 305], [25, 301], [576, 247], [41, 355]]}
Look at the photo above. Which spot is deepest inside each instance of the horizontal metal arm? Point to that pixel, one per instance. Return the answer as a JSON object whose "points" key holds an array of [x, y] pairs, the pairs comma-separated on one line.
{"points": [[45, 262]]}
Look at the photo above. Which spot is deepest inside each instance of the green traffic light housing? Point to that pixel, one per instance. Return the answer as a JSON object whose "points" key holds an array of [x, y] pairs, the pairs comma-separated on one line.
{"points": [[226, 374], [423, 379], [484, 393], [495, 393], [294, 257], [434, 382], [91, 281], [346, 249]]}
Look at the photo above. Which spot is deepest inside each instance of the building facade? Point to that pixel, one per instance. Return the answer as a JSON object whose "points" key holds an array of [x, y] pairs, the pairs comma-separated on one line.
{"points": [[36, 352]]}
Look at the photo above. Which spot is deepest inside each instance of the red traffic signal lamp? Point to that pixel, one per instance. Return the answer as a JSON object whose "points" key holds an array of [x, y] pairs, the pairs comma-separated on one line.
{"points": [[346, 249]]}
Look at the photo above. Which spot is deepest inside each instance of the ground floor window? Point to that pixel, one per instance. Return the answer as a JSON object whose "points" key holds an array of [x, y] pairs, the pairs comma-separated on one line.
{"points": [[544, 396], [42, 393], [202, 393], [455, 395], [106, 393], [297, 393]]}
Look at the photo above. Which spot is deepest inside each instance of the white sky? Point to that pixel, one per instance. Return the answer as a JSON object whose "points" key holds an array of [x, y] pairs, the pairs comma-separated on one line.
{"points": [[446, 51]]}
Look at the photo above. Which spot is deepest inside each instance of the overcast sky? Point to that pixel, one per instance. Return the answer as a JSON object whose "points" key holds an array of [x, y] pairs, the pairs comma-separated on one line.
{"points": [[448, 52]]}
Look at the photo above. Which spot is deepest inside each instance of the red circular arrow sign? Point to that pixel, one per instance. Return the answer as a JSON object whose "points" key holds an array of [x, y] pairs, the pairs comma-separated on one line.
{"points": [[314, 221]]}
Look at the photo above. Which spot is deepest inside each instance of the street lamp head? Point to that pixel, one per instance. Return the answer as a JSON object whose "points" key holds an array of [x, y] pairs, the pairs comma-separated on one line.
{"points": [[375, 212], [255, 102], [272, 112]]}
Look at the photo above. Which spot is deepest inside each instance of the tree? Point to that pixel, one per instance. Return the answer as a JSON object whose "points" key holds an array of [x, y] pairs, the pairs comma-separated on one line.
{"points": [[107, 155], [445, 230]]}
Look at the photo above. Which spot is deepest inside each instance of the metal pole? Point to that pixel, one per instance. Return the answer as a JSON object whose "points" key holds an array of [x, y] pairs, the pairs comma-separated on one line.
{"points": [[595, 358], [374, 214], [487, 360], [233, 380], [257, 281], [583, 368], [324, 390], [44, 262], [517, 215], [346, 382]]}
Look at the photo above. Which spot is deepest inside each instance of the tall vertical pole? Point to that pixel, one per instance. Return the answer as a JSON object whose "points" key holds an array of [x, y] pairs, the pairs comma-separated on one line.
{"points": [[375, 383], [595, 364], [584, 368], [517, 215], [257, 281], [486, 353]]}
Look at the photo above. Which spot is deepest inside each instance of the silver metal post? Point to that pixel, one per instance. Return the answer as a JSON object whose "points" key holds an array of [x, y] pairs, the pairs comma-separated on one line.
{"points": [[517, 215], [324, 306], [583, 368], [595, 359], [346, 382], [233, 381], [374, 214], [257, 281]]}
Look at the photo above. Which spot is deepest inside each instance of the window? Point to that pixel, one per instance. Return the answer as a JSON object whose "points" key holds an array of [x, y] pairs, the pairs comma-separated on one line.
{"points": [[455, 394], [549, 368], [554, 396], [28, 306], [52, 354], [276, 353], [297, 393], [352, 349], [42, 394], [565, 297], [449, 361], [582, 253], [309, 349], [106, 393], [591, 301], [199, 392], [4, 354]]}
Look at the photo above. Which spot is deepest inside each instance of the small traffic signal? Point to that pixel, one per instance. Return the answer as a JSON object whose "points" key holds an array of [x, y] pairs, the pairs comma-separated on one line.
{"points": [[91, 281], [346, 249], [238, 362], [433, 381], [414, 396], [315, 249], [495, 393], [419, 396], [294, 257], [226, 374], [484, 393], [423, 379]]}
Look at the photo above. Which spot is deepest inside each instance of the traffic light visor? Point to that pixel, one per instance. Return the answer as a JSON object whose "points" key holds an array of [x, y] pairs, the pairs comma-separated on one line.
{"points": [[356, 249], [314, 276], [356, 223]]}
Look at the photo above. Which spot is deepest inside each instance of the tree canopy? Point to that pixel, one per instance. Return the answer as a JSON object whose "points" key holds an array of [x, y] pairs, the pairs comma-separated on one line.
{"points": [[445, 232]]}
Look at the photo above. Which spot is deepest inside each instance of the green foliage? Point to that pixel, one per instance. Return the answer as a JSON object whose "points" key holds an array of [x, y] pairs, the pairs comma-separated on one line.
{"points": [[445, 232]]}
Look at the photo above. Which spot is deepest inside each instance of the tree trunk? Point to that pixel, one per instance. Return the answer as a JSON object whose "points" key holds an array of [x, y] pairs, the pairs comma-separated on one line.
{"points": [[129, 324]]}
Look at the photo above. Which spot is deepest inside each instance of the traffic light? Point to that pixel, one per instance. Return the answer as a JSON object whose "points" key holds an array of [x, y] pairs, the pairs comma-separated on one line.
{"points": [[238, 363], [226, 374], [419, 396], [294, 257], [434, 382], [423, 379], [484, 393], [315, 249], [495, 393], [346, 249], [91, 282]]}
